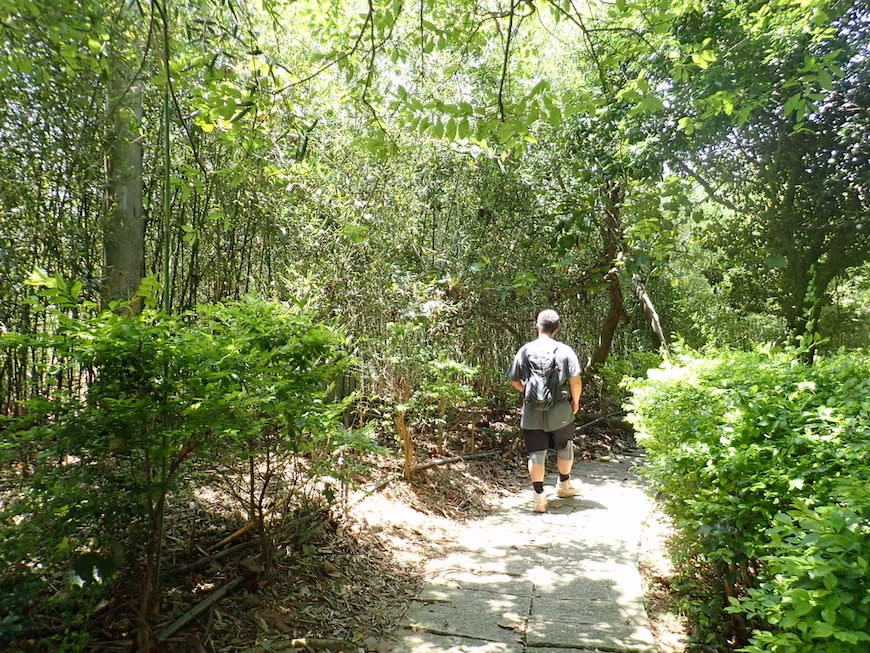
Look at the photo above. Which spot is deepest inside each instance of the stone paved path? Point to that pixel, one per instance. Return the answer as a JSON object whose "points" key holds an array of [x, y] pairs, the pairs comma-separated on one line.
{"points": [[522, 582]]}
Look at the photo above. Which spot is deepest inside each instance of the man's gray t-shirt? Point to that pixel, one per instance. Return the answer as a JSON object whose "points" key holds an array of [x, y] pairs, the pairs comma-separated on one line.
{"points": [[569, 365]]}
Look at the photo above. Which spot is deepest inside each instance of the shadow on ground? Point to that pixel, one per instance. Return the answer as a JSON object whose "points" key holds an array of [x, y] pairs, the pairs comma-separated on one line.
{"points": [[564, 580]]}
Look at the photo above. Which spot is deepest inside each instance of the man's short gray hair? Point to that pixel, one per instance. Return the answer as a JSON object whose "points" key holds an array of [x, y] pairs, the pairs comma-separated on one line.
{"points": [[548, 321]]}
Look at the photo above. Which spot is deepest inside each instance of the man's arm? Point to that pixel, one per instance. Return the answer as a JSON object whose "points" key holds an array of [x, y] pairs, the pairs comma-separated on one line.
{"points": [[575, 385], [515, 373]]}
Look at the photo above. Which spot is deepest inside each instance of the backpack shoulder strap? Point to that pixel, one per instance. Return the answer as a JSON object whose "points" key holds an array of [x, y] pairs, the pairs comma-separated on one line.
{"points": [[556, 355]]}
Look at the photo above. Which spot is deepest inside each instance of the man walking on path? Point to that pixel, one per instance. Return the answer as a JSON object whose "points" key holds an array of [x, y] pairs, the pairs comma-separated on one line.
{"points": [[548, 413]]}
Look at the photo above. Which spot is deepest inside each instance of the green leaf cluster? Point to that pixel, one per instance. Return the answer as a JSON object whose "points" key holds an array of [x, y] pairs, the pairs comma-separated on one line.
{"points": [[813, 592], [444, 389], [761, 462], [161, 397]]}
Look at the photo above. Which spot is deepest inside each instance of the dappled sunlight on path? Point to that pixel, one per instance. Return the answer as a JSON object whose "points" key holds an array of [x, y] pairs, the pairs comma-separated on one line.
{"points": [[519, 581]]}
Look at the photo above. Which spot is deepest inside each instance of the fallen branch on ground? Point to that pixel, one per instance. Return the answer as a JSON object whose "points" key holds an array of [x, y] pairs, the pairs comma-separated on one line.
{"points": [[251, 524], [451, 459], [200, 607], [202, 562], [217, 595], [618, 413], [316, 643], [247, 527]]}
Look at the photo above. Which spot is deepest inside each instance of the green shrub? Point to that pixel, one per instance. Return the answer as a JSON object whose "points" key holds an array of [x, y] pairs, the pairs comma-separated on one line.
{"points": [[813, 587], [737, 444], [617, 368], [226, 386], [444, 390]]}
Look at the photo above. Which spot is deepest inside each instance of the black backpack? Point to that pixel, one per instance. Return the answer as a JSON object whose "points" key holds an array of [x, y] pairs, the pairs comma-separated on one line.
{"points": [[543, 387]]}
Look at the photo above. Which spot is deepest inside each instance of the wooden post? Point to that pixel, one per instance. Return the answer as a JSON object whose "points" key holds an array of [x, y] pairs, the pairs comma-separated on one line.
{"points": [[402, 395], [407, 445]]}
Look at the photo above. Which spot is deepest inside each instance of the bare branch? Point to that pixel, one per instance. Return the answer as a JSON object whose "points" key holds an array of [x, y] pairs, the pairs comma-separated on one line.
{"points": [[422, 45], [113, 106], [504, 67], [577, 19], [707, 186], [335, 61], [371, 71]]}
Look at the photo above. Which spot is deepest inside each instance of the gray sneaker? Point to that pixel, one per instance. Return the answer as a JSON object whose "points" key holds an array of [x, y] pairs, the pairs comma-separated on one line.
{"points": [[540, 502]]}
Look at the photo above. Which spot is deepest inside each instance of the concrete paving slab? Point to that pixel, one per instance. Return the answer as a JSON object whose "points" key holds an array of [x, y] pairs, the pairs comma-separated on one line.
{"points": [[591, 611], [582, 588], [563, 581], [585, 554], [626, 589], [547, 649], [493, 583], [526, 545], [423, 642], [604, 636], [490, 562], [475, 615]]}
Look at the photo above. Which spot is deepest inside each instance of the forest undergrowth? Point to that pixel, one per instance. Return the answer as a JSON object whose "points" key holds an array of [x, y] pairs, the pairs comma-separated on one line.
{"points": [[351, 579], [342, 575]]}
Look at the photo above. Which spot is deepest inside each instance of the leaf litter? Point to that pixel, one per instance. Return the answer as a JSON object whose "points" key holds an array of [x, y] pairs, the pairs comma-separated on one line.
{"points": [[343, 583]]}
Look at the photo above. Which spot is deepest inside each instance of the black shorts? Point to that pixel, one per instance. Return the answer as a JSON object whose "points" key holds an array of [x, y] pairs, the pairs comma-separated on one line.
{"points": [[540, 440]]}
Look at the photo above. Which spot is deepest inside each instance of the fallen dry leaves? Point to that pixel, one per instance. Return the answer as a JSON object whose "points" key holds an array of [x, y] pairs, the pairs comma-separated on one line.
{"points": [[342, 578]]}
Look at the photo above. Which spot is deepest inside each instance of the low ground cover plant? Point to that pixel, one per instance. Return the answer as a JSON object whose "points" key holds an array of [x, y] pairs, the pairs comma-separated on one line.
{"points": [[762, 463]]}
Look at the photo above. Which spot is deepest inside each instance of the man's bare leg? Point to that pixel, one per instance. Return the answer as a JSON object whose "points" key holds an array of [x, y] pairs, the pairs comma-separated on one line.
{"points": [[537, 470]]}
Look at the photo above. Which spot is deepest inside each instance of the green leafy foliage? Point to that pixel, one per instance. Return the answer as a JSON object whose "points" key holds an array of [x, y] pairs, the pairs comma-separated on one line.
{"points": [[226, 383], [430, 174], [619, 368], [759, 460], [443, 393], [766, 142], [812, 591]]}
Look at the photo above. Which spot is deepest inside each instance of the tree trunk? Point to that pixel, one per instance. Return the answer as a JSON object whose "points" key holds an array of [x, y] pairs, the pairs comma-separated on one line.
{"points": [[407, 444], [652, 315], [615, 314], [611, 234], [803, 320], [124, 231]]}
